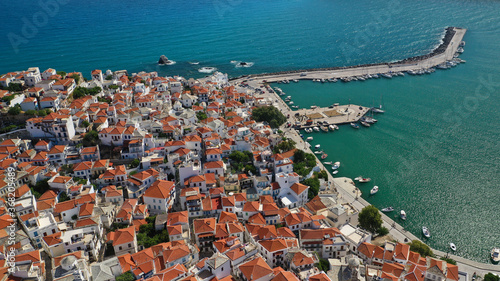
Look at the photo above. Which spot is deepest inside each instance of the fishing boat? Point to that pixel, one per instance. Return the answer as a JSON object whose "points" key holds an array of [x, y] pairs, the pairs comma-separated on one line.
{"points": [[327, 163], [365, 124], [426, 232], [495, 255], [402, 215], [316, 129], [355, 126], [335, 172], [374, 190], [317, 146], [309, 139], [324, 156], [453, 247], [336, 165], [387, 210]]}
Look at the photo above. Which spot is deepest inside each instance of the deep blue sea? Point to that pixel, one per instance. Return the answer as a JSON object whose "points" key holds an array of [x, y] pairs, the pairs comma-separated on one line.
{"points": [[434, 153]]}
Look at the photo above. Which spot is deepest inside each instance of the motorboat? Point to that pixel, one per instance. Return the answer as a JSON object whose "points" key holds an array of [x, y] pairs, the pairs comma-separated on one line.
{"points": [[327, 163], [368, 120], [335, 172], [331, 127], [402, 215], [207, 69], [295, 106], [318, 152], [335, 127], [308, 130], [336, 165], [386, 75], [309, 139], [318, 146], [324, 128], [453, 247], [387, 210], [295, 80], [426, 232], [316, 129], [313, 107], [290, 103], [364, 179], [374, 190], [324, 155], [495, 255], [365, 124], [355, 126]]}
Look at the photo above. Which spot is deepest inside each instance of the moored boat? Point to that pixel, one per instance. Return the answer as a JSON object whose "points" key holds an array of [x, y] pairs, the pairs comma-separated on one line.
{"points": [[324, 128], [336, 165], [309, 139], [388, 209], [365, 179], [335, 172], [327, 163], [402, 215], [355, 126], [318, 146], [426, 232], [324, 156], [495, 255], [331, 127], [365, 124], [316, 129], [374, 190]]}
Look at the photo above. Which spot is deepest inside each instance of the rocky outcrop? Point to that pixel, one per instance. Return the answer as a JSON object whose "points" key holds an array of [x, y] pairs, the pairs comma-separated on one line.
{"points": [[163, 60]]}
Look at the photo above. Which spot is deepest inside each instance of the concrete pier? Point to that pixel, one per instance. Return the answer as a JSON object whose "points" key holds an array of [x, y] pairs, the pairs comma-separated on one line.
{"points": [[416, 63]]}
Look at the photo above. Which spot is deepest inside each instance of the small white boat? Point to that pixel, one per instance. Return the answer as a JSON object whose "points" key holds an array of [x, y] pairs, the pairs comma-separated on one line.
{"points": [[290, 103], [309, 139], [331, 127], [426, 232], [387, 210], [374, 190], [318, 146], [295, 80], [318, 152], [402, 215], [335, 127], [453, 247], [316, 129], [336, 165], [308, 130], [495, 255], [327, 163], [361, 179], [335, 172]]}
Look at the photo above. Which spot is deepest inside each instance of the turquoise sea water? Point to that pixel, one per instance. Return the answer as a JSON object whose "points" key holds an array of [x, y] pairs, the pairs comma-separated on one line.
{"points": [[434, 153]]}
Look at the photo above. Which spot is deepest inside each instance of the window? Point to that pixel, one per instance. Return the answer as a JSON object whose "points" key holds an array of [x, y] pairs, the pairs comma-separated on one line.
{"points": [[120, 248], [129, 245]]}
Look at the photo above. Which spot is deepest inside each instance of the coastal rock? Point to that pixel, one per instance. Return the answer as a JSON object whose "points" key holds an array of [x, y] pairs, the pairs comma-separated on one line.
{"points": [[163, 60]]}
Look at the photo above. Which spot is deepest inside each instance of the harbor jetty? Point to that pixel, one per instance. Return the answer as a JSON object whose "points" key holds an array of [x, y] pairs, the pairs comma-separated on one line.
{"points": [[443, 55]]}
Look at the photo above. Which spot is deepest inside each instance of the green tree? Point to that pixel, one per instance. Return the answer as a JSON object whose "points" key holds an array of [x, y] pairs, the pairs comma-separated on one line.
{"points": [[85, 123], [62, 73], [40, 188], [201, 115], [382, 231], [284, 146], [77, 78], [30, 112], [63, 197], [15, 87], [91, 139], [323, 264], [420, 248], [313, 183], [491, 277], [451, 261], [15, 110], [135, 163], [269, 114], [370, 219], [80, 92], [127, 276]]}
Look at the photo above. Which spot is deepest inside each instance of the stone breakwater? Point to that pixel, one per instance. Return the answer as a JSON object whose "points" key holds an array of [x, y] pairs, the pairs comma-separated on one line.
{"points": [[446, 45]]}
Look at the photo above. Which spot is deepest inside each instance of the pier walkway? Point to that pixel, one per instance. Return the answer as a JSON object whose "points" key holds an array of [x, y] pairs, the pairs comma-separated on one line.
{"points": [[418, 64]]}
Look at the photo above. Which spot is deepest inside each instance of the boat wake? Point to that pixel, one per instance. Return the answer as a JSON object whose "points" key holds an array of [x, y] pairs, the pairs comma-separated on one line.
{"points": [[242, 63], [194, 62], [207, 69]]}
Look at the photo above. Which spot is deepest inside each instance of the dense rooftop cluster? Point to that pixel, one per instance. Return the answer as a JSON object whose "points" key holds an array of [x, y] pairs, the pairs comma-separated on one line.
{"points": [[166, 178]]}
